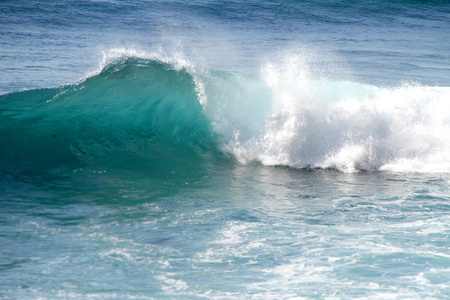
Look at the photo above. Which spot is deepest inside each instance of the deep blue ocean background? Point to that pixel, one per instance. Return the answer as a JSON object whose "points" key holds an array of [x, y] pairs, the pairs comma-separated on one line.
{"points": [[224, 149]]}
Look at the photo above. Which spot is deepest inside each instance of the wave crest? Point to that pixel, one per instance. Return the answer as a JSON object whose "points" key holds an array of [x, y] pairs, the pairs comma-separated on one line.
{"points": [[287, 117], [141, 111], [135, 112]]}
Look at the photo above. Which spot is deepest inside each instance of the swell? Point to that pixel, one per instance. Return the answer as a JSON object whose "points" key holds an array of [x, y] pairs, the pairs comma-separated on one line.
{"points": [[135, 114], [160, 117]]}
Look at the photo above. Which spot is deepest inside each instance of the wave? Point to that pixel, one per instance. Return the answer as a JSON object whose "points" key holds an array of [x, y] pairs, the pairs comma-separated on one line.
{"points": [[135, 113], [155, 114]]}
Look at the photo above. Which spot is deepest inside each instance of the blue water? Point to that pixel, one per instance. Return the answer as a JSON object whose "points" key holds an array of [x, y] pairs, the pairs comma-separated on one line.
{"points": [[224, 150]]}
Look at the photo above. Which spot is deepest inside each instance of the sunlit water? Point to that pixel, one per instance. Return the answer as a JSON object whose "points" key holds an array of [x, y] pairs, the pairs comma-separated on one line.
{"points": [[224, 150]]}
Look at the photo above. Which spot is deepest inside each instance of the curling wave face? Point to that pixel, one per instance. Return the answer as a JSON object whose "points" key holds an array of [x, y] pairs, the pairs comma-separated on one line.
{"points": [[135, 113], [149, 113]]}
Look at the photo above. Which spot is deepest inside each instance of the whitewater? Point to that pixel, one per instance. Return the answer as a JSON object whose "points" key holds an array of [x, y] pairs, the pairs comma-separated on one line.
{"points": [[285, 116], [224, 150]]}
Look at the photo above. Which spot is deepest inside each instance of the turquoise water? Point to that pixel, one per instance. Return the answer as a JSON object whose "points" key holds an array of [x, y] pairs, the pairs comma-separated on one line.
{"points": [[224, 150], [235, 232]]}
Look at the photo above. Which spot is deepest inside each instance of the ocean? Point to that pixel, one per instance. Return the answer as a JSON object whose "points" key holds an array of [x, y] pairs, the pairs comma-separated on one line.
{"points": [[199, 149]]}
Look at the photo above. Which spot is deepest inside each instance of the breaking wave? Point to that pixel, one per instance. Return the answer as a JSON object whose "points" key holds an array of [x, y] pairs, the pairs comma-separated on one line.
{"points": [[143, 111]]}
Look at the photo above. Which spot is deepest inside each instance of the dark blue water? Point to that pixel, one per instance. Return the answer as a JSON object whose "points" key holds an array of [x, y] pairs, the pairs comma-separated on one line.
{"points": [[224, 149]]}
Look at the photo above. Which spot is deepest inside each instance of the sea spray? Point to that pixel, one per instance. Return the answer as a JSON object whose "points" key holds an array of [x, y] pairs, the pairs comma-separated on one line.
{"points": [[290, 116], [141, 109], [210, 156]]}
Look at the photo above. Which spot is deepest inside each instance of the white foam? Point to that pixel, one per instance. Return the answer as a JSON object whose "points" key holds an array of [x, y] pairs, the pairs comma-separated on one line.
{"points": [[305, 121], [293, 114], [172, 285]]}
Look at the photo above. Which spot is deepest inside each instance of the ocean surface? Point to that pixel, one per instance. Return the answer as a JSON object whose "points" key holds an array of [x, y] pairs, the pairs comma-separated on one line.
{"points": [[224, 149]]}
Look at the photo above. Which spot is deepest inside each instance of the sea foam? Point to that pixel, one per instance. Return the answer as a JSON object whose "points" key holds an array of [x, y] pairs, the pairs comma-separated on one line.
{"points": [[150, 104], [288, 116]]}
